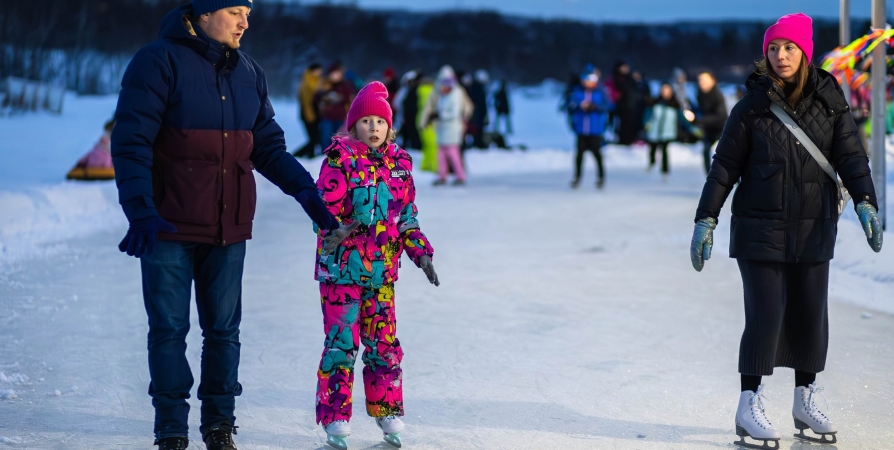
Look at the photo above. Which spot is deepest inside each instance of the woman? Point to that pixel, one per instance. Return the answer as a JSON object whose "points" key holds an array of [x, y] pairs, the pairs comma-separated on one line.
{"points": [[784, 222], [662, 121]]}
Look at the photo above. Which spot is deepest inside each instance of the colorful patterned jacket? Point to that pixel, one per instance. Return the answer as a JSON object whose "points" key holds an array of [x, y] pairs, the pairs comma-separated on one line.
{"points": [[375, 187]]}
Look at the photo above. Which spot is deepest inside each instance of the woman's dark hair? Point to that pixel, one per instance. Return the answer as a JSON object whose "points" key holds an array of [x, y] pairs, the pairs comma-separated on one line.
{"points": [[672, 102], [763, 67]]}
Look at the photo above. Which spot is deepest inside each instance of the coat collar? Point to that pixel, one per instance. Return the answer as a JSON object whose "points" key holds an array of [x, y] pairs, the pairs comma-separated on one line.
{"points": [[821, 85]]}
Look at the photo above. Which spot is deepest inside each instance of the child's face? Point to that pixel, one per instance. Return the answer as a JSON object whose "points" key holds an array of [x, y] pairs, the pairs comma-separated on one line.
{"points": [[371, 130]]}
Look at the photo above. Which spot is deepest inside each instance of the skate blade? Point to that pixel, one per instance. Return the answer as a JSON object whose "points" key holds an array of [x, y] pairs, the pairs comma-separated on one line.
{"points": [[393, 439], [819, 440], [337, 442], [765, 446]]}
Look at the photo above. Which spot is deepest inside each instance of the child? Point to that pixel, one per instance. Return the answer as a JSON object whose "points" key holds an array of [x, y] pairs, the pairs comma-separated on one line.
{"points": [[97, 163], [662, 120], [449, 109], [589, 105], [366, 182]]}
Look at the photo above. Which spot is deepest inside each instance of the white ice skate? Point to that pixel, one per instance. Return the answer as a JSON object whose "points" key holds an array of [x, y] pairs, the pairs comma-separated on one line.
{"points": [[336, 432], [751, 421], [391, 427], [807, 415]]}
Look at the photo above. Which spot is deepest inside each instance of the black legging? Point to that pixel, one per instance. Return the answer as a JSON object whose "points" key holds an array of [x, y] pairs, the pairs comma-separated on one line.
{"points": [[592, 144], [653, 149]]}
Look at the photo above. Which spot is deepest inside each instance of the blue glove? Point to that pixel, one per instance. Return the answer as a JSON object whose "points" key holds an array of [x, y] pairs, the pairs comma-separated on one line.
{"points": [[702, 242], [871, 225], [142, 235], [315, 208]]}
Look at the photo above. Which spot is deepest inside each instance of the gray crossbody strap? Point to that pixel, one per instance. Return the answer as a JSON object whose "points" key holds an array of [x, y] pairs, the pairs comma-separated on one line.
{"points": [[789, 122], [805, 141]]}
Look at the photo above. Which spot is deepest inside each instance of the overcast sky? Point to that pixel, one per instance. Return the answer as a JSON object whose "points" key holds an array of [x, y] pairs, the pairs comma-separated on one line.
{"points": [[632, 10]]}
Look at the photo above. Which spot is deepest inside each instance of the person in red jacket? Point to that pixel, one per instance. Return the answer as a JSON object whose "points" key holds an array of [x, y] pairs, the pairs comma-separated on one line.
{"points": [[333, 101], [193, 123]]}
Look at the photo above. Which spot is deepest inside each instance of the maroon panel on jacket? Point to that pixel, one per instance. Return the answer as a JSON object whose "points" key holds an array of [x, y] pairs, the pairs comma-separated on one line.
{"points": [[204, 185]]}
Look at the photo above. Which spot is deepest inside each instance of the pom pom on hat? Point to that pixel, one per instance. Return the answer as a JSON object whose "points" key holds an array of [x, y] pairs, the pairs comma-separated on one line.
{"points": [[797, 28], [372, 100]]}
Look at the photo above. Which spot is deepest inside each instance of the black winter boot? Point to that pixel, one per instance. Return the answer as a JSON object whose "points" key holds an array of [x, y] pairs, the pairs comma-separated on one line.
{"points": [[220, 437], [172, 443]]}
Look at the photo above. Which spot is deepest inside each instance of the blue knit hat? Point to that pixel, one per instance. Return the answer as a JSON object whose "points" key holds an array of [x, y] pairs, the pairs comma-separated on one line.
{"points": [[200, 7]]}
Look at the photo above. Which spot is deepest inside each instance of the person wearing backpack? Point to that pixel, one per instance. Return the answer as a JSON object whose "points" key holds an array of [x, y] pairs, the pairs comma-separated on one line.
{"points": [[785, 220]]}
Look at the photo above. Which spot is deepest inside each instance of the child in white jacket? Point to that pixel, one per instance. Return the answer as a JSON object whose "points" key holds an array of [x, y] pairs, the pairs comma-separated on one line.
{"points": [[449, 109]]}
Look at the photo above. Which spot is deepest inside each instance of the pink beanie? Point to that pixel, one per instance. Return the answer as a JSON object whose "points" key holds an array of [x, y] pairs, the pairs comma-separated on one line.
{"points": [[372, 100], [797, 28]]}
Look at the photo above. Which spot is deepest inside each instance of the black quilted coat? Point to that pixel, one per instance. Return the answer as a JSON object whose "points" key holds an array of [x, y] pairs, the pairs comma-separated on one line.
{"points": [[785, 208]]}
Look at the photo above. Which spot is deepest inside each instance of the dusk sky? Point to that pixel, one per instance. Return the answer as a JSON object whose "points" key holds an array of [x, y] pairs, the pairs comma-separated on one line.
{"points": [[632, 10]]}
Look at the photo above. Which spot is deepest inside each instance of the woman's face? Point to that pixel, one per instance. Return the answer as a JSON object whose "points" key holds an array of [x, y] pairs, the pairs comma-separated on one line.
{"points": [[371, 130], [785, 57], [666, 92]]}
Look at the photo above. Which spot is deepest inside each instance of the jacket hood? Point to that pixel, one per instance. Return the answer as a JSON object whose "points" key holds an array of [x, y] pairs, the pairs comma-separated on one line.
{"points": [[820, 85], [176, 26]]}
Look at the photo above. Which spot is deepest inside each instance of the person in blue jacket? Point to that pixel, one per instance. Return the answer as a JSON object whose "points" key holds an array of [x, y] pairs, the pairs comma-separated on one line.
{"points": [[193, 123], [589, 105]]}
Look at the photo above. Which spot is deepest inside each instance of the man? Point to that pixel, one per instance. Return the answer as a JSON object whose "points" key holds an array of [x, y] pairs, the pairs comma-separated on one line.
{"points": [[712, 108], [333, 101], [193, 121], [310, 84]]}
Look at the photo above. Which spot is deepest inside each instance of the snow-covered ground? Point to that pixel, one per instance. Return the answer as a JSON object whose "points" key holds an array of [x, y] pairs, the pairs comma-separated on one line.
{"points": [[565, 319]]}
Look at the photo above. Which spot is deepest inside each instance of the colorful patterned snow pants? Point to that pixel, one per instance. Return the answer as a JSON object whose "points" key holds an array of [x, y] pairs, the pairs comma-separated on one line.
{"points": [[353, 313]]}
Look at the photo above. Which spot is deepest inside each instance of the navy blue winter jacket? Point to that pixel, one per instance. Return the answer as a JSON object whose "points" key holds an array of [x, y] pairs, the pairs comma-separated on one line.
{"points": [[193, 121]]}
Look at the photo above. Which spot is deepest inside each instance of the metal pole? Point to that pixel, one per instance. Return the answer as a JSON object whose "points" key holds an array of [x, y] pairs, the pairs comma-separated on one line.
{"points": [[844, 38], [844, 27], [877, 156]]}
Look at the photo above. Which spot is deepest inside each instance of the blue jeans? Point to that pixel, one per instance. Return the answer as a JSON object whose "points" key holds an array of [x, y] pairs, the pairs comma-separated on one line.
{"points": [[168, 274], [328, 128]]}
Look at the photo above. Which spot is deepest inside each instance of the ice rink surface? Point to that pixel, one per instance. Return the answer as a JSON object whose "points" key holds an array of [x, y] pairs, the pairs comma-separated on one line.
{"points": [[565, 320]]}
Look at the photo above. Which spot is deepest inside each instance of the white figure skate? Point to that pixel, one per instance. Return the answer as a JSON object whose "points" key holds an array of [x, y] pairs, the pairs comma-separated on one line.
{"points": [[391, 427], [336, 432], [808, 416], [751, 421]]}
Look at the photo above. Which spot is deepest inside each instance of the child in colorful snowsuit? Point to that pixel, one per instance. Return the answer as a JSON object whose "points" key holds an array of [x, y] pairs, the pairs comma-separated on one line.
{"points": [[366, 182]]}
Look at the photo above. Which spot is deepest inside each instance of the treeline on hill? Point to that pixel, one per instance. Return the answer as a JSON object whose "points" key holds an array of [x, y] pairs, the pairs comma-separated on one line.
{"points": [[86, 44]]}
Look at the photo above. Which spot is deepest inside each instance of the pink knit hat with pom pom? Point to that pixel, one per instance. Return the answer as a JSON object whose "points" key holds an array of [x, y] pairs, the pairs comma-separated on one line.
{"points": [[372, 100], [797, 28]]}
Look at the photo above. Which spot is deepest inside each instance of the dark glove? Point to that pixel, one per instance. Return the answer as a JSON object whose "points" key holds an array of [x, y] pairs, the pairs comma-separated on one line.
{"points": [[429, 269], [702, 242], [336, 236], [316, 209], [142, 235], [871, 225]]}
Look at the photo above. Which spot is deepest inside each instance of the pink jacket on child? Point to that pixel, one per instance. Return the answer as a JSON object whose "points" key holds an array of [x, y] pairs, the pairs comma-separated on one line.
{"points": [[375, 187]]}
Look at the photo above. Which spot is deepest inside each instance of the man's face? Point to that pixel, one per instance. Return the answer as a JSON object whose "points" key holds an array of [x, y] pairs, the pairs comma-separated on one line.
{"points": [[226, 25]]}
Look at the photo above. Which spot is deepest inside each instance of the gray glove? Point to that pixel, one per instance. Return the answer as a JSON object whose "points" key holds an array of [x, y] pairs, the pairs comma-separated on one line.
{"points": [[702, 242], [336, 236], [871, 225], [429, 269]]}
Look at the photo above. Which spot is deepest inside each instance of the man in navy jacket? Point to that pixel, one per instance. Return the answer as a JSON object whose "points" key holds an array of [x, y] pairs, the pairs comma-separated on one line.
{"points": [[193, 122]]}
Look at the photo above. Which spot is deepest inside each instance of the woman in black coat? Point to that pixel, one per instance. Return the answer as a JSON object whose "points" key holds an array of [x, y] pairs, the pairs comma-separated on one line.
{"points": [[785, 219]]}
